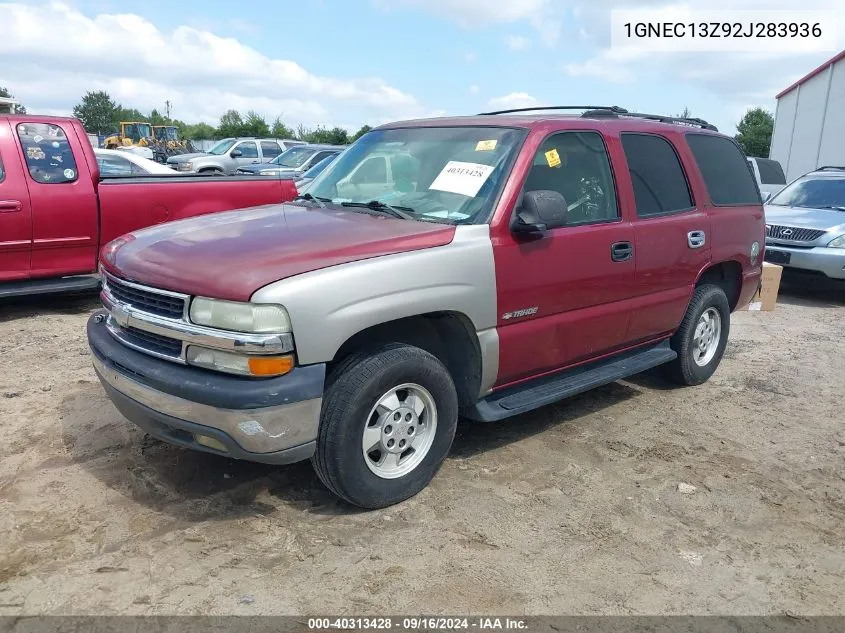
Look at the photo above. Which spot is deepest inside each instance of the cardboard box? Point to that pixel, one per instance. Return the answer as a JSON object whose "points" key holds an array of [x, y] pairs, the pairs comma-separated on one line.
{"points": [[767, 297]]}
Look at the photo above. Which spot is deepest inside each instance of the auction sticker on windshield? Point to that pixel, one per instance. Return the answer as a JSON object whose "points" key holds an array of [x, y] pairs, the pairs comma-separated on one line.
{"points": [[462, 178]]}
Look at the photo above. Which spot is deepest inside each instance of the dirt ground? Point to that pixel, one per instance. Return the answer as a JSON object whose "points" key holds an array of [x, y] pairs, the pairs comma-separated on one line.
{"points": [[574, 509]]}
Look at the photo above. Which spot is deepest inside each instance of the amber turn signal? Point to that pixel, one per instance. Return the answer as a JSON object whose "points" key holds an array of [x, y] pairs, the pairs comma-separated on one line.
{"points": [[270, 365]]}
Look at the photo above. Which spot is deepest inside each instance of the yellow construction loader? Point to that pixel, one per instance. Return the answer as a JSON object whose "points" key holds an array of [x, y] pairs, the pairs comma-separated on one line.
{"points": [[132, 134]]}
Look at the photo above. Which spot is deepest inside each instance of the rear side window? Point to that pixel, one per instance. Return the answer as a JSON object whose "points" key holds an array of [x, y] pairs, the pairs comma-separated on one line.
{"points": [[2, 171], [771, 172], [660, 186], [270, 149], [47, 152], [721, 163]]}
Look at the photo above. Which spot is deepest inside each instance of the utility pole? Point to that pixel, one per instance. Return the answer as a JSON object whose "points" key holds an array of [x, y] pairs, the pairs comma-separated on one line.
{"points": [[167, 108]]}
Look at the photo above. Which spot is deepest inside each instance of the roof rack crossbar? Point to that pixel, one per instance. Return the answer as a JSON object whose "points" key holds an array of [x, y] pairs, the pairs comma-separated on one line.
{"points": [[614, 112], [831, 168], [662, 118], [615, 109]]}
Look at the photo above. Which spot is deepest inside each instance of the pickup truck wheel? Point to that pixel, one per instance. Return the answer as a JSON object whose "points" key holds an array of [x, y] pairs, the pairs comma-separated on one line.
{"points": [[701, 339], [388, 422]]}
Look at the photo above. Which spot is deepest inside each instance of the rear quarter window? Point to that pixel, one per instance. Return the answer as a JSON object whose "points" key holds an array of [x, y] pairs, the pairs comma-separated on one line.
{"points": [[49, 159], [771, 172], [724, 169], [2, 171]]}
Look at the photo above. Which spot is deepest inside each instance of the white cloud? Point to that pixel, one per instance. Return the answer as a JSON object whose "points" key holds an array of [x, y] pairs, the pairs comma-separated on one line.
{"points": [[517, 42], [474, 12], [543, 15], [514, 100], [201, 73]]}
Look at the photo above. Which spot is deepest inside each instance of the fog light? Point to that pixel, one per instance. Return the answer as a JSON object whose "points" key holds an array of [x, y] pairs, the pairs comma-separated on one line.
{"points": [[210, 442]]}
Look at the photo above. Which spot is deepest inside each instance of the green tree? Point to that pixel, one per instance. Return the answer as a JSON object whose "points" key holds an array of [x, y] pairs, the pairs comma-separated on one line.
{"points": [[157, 118], [280, 130], [132, 115], [685, 114], [231, 124], [98, 112], [754, 132], [196, 132], [17, 108], [254, 125], [361, 132], [334, 136]]}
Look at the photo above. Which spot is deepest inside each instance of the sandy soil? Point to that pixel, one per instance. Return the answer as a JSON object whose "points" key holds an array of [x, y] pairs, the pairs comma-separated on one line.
{"points": [[573, 509]]}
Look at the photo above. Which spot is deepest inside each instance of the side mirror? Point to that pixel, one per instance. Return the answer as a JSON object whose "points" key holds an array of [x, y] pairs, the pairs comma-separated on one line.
{"points": [[540, 211], [236, 153]]}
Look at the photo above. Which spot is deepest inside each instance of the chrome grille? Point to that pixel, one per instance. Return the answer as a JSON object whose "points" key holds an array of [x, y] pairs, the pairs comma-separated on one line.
{"points": [[157, 303], [792, 233], [152, 342]]}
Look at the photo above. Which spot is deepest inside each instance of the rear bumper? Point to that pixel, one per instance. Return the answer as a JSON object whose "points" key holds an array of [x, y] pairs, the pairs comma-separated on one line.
{"points": [[272, 421], [827, 261]]}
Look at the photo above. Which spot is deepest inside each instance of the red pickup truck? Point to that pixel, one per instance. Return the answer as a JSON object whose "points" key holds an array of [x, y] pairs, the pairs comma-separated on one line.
{"points": [[56, 211], [508, 261]]}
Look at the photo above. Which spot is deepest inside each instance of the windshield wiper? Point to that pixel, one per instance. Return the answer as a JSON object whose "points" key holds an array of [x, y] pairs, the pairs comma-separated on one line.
{"points": [[376, 205], [320, 202]]}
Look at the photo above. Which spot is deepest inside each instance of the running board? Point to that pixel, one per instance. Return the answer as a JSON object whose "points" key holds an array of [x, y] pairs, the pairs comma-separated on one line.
{"points": [[80, 283], [548, 389]]}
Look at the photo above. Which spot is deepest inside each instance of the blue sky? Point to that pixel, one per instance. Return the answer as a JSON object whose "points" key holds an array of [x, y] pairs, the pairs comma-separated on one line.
{"points": [[349, 62]]}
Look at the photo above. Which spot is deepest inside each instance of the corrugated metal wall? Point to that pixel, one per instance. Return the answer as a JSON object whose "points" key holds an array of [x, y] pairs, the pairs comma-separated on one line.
{"points": [[810, 124]]}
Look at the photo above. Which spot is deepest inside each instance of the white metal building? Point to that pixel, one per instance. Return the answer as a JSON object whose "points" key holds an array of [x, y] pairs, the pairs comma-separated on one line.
{"points": [[6, 105], [810, 120]]}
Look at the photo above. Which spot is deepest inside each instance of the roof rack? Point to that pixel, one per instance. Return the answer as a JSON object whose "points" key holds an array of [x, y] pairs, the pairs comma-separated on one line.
{"points": [[831, 168], [592, 112], [615, 109]]}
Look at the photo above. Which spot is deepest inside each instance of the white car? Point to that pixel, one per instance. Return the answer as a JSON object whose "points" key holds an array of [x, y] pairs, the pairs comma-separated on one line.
{"points": [[769, 175], [116, 163]]}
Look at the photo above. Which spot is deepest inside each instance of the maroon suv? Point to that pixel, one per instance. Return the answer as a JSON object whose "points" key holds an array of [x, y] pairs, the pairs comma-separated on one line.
{"points": [[480, 266]]}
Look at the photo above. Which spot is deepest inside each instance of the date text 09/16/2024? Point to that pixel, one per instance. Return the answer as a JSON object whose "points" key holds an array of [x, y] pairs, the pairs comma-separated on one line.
{"points": [[417, 623]]}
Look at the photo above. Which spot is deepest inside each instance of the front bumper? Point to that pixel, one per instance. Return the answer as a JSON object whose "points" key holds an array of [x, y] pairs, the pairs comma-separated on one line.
{"points": [[272, 421], [827, 261]]}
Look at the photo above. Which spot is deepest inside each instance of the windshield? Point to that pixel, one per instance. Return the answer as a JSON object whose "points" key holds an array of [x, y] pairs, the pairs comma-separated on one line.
{"points": [[293, 157], [434, 173], [137, 131], [317, 169], [222, 147], [813, 193]]}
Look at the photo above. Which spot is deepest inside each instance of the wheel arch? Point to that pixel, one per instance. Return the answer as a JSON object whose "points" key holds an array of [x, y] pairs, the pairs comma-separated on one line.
{"points": [[727, 275], [448, 335]]}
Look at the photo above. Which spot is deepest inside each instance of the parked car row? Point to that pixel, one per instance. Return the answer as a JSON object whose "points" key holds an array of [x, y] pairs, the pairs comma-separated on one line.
{"points": [[230, 154], [61, 201]]}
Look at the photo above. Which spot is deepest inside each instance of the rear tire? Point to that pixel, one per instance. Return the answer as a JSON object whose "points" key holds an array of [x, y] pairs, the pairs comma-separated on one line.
{"points": [[702, 337], [387, 424]]}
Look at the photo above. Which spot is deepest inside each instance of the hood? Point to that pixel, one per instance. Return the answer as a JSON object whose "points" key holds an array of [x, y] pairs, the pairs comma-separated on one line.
{"points": [[182, 158], [821, 219], [268, 168], [232, 254]]}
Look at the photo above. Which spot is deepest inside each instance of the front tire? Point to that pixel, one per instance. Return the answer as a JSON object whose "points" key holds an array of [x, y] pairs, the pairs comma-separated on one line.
{"points": [[702, 337], [387, 424]]}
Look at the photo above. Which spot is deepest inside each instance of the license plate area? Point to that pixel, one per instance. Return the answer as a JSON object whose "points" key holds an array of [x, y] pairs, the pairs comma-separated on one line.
{"points": [[777, 257]]}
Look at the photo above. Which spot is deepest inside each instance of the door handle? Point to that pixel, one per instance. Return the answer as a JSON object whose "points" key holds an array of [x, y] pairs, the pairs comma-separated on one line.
{"points": [[255, 162], [621, 251], [696, 239], [10, 206]]}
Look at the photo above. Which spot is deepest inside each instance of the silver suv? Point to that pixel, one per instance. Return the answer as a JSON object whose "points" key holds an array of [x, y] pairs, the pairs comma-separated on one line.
{"points": [[805, 224], [229, 154]]}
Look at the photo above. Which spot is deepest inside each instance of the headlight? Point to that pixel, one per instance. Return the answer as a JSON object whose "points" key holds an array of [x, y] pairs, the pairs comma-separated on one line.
{"points": [[839, 242], [256, 318], [186, 166], [257, 366]]}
